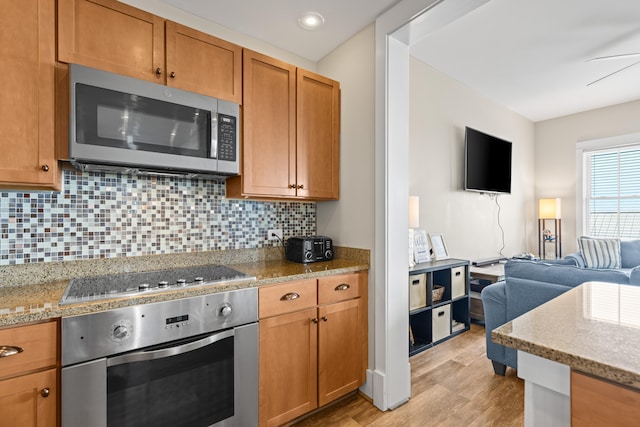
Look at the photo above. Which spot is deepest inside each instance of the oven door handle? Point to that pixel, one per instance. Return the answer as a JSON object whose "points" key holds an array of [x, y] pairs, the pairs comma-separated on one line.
{"points": [[143, 356]]}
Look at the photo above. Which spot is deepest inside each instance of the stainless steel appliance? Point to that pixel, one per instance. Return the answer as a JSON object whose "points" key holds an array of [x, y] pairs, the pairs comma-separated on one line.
{"points": [[131, 284], [128, 125], [186, 362], [309, 249]]}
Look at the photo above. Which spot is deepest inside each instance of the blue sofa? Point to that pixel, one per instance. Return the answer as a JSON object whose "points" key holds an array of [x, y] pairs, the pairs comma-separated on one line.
{"points": [[529, 284]]}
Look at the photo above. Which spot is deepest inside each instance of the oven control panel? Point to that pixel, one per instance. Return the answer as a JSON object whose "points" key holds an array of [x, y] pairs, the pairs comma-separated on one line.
{"points": [[139, 326]]}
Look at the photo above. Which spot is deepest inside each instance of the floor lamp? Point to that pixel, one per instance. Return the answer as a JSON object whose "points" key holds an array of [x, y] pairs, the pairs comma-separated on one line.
{"points": [[549, 210]]}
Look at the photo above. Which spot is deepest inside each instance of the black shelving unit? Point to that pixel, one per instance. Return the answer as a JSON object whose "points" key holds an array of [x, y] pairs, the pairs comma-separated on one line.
{"points": [[432, 322]]}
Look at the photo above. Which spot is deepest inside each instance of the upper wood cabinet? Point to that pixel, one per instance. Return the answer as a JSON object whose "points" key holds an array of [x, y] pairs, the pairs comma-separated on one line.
{"points": [[291, 133], [317, 136], [28, 96], [201, 63], [116, 37], [111, 36]]}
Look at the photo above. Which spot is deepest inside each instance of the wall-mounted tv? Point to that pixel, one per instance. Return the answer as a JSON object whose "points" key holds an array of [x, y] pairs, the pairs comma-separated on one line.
{"points": [[487, 162]]}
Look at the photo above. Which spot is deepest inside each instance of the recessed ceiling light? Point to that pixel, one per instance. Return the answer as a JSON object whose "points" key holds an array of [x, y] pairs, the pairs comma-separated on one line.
{"points": [[310, 20]]}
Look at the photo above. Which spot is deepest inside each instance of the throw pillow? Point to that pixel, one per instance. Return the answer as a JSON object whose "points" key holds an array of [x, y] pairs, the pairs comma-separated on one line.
{"points": [[600, 253]]}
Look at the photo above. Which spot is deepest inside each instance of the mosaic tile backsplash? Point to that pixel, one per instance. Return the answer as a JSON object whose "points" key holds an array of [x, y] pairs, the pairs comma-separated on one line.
{"points": [[107, 215]]}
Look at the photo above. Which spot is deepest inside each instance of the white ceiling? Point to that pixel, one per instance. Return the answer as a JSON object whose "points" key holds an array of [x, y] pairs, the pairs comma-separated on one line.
{"points": [[529, 55], [276, 21]]}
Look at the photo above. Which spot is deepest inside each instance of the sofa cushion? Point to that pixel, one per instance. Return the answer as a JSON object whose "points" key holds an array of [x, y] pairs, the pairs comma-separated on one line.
{"points": [[630, 253], [567, 275], [600, 253]]}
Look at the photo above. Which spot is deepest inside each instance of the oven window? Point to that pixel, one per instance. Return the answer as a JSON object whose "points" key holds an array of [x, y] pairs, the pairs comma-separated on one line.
{"points": [[192, 389]]}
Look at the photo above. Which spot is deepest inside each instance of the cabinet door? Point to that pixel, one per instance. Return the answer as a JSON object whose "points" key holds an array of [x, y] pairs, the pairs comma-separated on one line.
{"points": [[201, 63], [340, 350], [29, 400], [269, 128], [288, 366], [27, 102], [111, 36], [318, 136]]}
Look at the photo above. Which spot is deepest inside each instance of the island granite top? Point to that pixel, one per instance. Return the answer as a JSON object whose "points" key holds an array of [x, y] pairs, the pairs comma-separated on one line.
{"points": [[593, 328]]}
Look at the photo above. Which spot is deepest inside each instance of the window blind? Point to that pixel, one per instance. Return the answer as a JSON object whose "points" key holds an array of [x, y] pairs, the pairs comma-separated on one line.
{"points": [[612, 192]]}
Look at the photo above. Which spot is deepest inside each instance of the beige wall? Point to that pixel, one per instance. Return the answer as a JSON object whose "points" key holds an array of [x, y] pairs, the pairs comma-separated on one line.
{"points": [[440, 108], [556, 155], [350, 220]]}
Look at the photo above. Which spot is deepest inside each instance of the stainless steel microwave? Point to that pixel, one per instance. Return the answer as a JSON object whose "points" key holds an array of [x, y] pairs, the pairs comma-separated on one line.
{"points": [[128, 125]]}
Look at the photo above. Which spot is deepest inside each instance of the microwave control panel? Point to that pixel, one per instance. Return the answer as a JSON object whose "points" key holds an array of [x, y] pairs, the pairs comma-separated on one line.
{"points": [[227, 147]]}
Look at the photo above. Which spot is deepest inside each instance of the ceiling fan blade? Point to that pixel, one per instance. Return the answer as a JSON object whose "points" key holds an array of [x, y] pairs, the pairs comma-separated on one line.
{"points": [[611, 74], [620, 56]]}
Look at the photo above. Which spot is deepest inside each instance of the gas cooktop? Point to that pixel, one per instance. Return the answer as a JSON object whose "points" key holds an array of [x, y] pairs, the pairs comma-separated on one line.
{"points": [[131, 284]]}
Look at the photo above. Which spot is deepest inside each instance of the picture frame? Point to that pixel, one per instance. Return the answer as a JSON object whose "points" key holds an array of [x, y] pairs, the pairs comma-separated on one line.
{"points": [[438, 246], [421, 246]]}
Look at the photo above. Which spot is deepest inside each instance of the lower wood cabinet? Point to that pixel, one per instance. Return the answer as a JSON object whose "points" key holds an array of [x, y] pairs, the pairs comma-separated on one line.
{"points": [[599, 402], [339, 350], [288, 360], [29, 378], [29, 400], [313, 341]]}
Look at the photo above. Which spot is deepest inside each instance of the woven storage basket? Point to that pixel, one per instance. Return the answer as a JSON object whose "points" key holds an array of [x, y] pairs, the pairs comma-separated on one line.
{"points": [[437, 293]]}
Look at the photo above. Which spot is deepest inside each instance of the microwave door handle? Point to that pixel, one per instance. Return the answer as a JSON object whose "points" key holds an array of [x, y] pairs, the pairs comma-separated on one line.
{"points": [[143, 356], [214, 135]]}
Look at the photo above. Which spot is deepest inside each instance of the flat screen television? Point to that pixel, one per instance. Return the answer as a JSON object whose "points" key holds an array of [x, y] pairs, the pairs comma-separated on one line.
{"points": [[487, 162]]}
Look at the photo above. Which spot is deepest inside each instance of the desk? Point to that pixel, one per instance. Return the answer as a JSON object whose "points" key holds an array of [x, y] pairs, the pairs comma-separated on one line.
{"points": [[493, 273]]}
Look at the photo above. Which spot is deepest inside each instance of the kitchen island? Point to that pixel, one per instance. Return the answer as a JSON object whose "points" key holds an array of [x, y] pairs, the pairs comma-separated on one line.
{"points": [[578, 355]]}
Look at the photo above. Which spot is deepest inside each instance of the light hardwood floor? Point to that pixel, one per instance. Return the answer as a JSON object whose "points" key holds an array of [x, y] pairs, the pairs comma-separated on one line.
{"points": [[452, 384]]}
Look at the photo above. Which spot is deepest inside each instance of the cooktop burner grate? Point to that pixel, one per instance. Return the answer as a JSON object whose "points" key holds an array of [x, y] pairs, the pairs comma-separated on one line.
{"points": [[129, 284]]}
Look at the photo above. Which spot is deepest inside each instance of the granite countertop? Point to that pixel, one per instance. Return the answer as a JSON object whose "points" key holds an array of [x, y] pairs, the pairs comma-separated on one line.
{"points": [[22, 301], [593, 328]]}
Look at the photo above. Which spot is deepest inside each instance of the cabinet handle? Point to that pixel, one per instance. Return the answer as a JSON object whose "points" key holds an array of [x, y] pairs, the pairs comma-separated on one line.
{"points": [[292, 186], [45, 392], [301, 186], [290, 296], [324, 318], [441, 314], [158, 71], [416, 282], [45, 168], [172, 75], [315, 320], [9, 350], [342, 287]]}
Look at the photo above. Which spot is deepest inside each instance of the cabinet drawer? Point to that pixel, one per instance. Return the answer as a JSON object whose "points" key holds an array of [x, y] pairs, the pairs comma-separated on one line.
{"points": [[39, 348], [338, 288], [286, 297], [458, 282]]}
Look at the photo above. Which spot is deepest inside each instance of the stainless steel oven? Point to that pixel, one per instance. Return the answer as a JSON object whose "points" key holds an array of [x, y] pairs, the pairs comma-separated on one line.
{"points": [[187, 362]]}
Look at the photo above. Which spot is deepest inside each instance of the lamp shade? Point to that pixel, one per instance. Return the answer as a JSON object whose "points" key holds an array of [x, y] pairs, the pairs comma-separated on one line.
{"points": [[414, 211], [549, 209]]}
